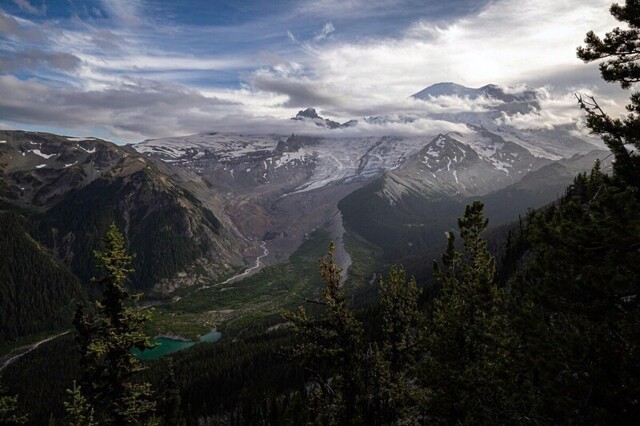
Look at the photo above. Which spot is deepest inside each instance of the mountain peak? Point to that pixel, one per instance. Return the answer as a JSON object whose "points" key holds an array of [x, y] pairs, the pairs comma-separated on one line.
{"points": [[489, 90], [312, 115], [307, 113], [509, 101], [450, 89]]}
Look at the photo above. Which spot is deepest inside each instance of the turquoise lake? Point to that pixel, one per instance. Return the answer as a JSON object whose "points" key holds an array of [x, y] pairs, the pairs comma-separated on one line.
{"points": [[166, 346]]}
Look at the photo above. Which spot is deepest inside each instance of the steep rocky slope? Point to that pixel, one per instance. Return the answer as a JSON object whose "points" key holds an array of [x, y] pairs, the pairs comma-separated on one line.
{"points": [[74, 188]]}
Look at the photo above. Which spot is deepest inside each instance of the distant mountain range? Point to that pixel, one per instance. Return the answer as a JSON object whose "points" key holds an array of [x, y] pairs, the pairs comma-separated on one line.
{"points": [[198, 207]]}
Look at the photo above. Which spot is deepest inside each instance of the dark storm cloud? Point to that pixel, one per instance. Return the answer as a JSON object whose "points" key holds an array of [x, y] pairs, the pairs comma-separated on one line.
{"points": [[300, 93]]}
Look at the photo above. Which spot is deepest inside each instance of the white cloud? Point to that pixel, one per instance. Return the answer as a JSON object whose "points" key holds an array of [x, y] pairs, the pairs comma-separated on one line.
{"points": [[324, 32], [164, 62], [124, 12], [509, 42], [558, 109]]}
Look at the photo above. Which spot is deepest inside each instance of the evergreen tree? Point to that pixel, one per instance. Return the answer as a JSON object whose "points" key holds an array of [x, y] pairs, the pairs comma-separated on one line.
{"points": [[106, 338], [9, 409], [621, 50], [470, 346], [169, 403], [338, 339], [401, 318], [402, 326], [578, 301], [360, 380], [79, 411]]}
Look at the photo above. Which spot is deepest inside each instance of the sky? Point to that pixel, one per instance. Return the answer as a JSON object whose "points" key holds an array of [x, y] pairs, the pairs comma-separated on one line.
{"points": [[128, 70]]}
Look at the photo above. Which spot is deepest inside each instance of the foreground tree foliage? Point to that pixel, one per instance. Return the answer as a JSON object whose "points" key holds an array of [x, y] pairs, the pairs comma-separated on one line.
{"points": [[9, 409], [106, 337], [577, 300], [79, 412], [621, 49], [358, 380], [470, 365]]}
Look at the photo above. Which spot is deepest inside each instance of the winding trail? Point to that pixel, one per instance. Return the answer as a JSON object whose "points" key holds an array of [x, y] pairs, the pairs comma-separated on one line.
{"points": [[29, 348]]}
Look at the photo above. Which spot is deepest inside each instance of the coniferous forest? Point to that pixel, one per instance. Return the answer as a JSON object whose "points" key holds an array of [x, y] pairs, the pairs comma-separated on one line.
{"points": [[542, 327]]}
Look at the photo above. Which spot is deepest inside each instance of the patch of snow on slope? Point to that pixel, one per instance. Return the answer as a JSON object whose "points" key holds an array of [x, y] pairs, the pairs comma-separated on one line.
{"points": [[80, 139], [500, 165], [88, 151], [288, 157], [38, 152]]}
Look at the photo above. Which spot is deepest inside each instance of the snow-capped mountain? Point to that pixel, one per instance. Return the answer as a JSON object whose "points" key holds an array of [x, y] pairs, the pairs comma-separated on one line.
{"points": [[497, 100], [490, 91], [448, 165]]}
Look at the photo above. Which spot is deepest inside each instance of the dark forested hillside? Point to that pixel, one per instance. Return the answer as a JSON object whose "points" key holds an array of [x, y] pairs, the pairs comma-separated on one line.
{"points": [[38, 293], [58, 196], [167, 228], [72, 189]]}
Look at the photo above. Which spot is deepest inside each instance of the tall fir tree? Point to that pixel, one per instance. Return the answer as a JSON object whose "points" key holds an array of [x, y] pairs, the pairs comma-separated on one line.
{"points": [[79, 411], [469, 344], [106, 337], [402, 325], [361, 380], [577, 296], [9, 409], [337, 339], [620, 52]]}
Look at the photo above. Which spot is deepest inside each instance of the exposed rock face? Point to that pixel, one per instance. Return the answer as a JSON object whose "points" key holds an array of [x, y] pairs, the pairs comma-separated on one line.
{"points": [[310, 114]]}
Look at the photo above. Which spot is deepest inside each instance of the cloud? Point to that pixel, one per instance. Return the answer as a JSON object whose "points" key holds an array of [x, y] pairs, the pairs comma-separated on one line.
{"points": [[324, 32], [163, 62], [29, 8], [509, 42], [300, 92], [124, 12], [130, 110], [558, 109], [8, 24], [39, 58], [16, 29], [127, 68]]}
